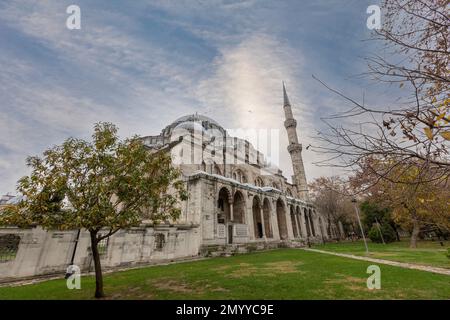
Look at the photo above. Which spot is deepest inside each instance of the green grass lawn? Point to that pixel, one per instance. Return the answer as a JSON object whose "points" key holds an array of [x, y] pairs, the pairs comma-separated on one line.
{"points": [[278, 274], [427, 252]]}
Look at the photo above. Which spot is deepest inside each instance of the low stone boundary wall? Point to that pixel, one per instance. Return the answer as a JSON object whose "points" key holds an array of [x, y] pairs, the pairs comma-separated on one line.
{"points": [[26, 253]]}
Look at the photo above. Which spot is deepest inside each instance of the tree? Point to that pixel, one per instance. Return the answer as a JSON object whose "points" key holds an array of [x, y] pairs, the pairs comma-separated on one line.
{"points": [[404, 142], [414, 198], [330, 196], [102, 186], [373, 213], [385, 229], [416, 127]]}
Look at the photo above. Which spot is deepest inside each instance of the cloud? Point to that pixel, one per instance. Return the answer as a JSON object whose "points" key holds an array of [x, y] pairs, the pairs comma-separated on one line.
{"points": [[143, 64], [246, 81]]}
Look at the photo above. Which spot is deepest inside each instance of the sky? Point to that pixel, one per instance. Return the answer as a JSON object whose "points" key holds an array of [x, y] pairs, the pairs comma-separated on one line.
{"points": [[143, 64]]}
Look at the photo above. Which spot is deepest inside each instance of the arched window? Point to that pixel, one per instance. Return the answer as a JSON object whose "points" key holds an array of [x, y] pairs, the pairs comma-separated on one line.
{"points": [[289, 192], [259, 182], [239, 176], [217, 169]]}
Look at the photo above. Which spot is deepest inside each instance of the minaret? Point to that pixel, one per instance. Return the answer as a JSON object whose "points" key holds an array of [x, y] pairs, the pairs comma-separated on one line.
{"points": [[295, 149]]}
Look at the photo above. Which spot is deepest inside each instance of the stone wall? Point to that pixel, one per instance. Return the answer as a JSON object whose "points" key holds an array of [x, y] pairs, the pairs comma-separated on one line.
{"points": [[43, 252]]}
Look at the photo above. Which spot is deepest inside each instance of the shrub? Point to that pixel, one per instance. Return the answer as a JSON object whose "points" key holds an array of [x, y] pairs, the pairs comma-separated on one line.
{"points": [[387, 231]]}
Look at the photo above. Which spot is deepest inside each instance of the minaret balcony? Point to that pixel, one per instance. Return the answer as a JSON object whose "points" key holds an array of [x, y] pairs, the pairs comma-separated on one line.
{"points": [[290, 123], [294, 147]]}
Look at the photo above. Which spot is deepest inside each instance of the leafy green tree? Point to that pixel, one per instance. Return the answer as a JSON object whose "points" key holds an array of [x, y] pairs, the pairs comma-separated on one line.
{"points": [[386, 230], [102, 186], [373, 213]]}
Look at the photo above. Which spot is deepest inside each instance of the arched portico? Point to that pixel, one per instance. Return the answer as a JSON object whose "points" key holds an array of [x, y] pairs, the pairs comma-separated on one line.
{"points": [[257, 218], [298, 215], [238, 207], [267, 215], [281, 219], [223, 204], [310, 215], [306, 219], [293, 221], [322, 228]]}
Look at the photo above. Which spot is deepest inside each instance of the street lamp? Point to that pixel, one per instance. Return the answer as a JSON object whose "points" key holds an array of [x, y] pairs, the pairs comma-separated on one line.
{"points": [[360, 225]]}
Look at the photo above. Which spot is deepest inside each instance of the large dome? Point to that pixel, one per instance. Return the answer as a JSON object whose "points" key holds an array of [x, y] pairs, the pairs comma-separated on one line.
{"points": [[194, 118]]}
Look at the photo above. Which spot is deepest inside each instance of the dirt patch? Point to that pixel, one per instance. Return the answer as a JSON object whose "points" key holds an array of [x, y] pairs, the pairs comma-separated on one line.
{"points": [[176, 286], [349, 282], [270, 269], [284, 266], [130, 293], [179, 286]]}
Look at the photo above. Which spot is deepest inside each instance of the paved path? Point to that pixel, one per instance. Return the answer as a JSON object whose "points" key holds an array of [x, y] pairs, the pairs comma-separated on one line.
{"points": [[389, 262]]}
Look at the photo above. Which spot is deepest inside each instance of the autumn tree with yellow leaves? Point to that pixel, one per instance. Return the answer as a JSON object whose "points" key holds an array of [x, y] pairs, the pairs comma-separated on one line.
{"points": [[416, 198]]}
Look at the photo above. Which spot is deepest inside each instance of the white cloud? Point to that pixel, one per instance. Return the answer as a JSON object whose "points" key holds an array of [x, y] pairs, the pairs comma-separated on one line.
{"points": [[140, 85]]}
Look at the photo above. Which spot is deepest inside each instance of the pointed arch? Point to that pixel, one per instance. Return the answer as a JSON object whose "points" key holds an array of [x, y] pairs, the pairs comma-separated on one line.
{"points": [[239, 207], [240, 176], [216, 169], [259, 182], [281, 219], [311, 221], [298, 213], [289, 192], [293, 221], [306, 219], [203, 167], [257, 223], [223, 205], [321, 227], [267, 213]]}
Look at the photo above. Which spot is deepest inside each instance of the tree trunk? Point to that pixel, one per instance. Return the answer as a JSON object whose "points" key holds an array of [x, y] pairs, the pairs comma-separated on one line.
{"points": [[415, 232], [393, 225], [97, 266]]}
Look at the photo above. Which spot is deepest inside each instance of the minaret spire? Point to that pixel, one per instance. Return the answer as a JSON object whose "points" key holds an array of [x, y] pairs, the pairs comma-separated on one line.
{"points": [[286, 98], [294, 148]]}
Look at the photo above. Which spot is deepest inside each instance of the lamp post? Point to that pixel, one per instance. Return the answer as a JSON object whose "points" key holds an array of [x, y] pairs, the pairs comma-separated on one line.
{"points": [[360, 225], [379, 229]]}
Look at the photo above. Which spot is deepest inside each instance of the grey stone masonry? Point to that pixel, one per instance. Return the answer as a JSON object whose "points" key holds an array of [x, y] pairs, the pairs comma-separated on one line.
{"points": [[295, 149]]}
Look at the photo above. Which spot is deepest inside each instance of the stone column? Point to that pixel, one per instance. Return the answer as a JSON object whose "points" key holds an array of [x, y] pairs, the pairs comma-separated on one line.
{"points": [[249, 221], [273, 217], [231, 212], [299, 228], [304, 225], [261, 213], [312, 225], [290, 230]]}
